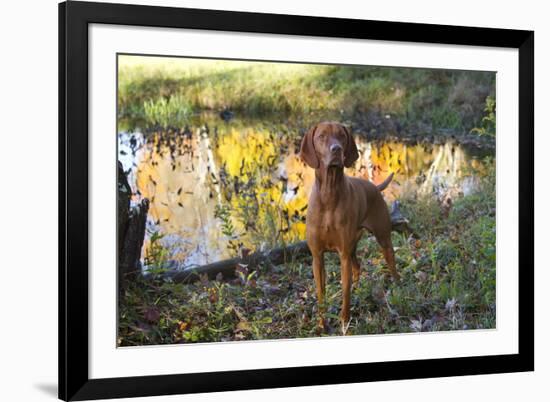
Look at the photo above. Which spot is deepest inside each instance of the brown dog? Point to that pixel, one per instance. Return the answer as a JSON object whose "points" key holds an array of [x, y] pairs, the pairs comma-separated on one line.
{"points": [[340, 208]]}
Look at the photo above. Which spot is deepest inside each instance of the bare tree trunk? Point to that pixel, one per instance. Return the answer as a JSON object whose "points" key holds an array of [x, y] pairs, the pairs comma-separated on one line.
{"points": [[131, 230]]}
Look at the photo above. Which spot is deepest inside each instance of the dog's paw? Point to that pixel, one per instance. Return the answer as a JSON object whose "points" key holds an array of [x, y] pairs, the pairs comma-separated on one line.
{"points": [[393, 277], [321, 326]]}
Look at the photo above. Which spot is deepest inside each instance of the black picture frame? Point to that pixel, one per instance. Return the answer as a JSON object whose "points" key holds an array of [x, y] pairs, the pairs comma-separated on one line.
{"points": [[74, 18]]}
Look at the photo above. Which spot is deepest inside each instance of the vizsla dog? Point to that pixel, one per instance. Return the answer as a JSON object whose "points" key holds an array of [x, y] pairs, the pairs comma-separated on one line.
{"points": [[340, 208]]}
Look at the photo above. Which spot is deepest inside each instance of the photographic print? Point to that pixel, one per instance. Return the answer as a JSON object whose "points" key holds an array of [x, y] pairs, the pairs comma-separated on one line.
{"points": [[315, 196], [276, 200]]}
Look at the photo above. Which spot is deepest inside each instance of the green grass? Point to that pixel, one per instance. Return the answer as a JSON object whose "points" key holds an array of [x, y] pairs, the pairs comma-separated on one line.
{"points": [[441, 99], [166, 112], [448, 283]]}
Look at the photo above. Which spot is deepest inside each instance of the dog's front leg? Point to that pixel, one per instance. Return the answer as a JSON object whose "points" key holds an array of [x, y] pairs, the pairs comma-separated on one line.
{"points": [[346, 263], [320, 280]]}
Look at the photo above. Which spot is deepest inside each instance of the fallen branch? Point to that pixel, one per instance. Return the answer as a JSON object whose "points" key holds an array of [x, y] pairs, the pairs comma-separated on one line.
{"points": [[398, 222], [276, 256]]}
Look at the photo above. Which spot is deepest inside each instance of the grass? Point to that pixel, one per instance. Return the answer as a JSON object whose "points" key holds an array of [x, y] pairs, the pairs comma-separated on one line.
{"points": [[166, 112], [150, 88], [448, 283]]}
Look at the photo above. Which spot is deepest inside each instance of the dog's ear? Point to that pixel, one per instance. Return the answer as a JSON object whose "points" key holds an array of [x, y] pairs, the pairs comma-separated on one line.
{"points": [[307, 149], [350, 153]]}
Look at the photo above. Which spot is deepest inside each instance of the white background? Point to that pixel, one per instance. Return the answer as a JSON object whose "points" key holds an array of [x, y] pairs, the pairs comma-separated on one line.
{"points": [[28, 335]]}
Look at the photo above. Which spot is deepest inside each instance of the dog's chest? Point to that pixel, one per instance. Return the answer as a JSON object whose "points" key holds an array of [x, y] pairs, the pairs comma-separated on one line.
{"points": [[330, 222], [332, 229]]}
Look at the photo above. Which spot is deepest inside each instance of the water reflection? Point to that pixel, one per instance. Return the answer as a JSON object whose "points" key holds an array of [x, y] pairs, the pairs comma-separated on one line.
{"points": [[219, 189]]}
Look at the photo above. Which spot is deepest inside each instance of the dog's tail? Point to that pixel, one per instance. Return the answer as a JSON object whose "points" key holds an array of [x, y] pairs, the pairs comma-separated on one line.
{"points": [[382, 186]]}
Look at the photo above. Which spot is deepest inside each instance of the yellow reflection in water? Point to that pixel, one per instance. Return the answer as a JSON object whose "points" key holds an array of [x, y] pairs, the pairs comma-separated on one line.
{"points": [[257, 176]]}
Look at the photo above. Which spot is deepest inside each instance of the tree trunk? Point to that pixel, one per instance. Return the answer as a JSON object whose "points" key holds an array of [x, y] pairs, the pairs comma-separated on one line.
{"points": [[131, 230]]}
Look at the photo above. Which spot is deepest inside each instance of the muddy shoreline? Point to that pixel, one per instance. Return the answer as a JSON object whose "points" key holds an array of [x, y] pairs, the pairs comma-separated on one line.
{"points": [[384, 127], [372, 126]]}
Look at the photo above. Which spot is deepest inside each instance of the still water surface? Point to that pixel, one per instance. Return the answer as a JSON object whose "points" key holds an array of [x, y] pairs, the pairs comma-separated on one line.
{"points": [[219, 187]]}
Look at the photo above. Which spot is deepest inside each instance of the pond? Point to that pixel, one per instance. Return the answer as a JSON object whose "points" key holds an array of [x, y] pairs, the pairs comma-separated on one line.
{"points": [[219, 188]]}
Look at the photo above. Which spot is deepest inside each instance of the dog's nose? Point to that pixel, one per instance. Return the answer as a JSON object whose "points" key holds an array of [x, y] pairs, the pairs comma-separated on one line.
{"points": [[335, 148]]}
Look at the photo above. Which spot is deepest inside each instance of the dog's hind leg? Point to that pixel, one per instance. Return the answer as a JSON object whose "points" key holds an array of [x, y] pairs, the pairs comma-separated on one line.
{"points": [[379, 225], [384, 239], [390, 260]]}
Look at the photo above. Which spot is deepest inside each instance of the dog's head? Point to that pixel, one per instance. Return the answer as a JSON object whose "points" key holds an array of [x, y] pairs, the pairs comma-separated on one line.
{"points": [[328, 145]]}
